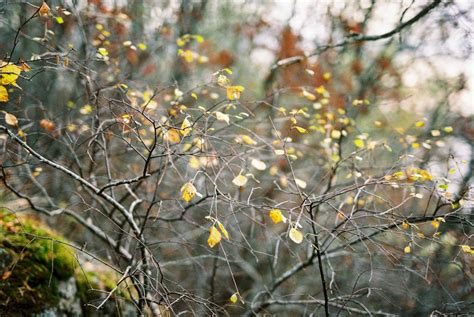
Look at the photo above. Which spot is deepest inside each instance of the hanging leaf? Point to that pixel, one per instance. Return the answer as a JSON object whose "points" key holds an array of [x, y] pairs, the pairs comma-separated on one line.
{"points": [[296, 236], [9, 74], [407, 249], [188, 192], [240, 180], [277, 216], [222, 117], [224, 232], [11, 119], [301, 129], [359, 143], [301, 183], [233, 299], [44, 10], [194, 163], [214, 237], [172, 135], [248, 140], [259, 165], [186, 127], [3, 94], [233, 92], [308, 95], [405, 225]]}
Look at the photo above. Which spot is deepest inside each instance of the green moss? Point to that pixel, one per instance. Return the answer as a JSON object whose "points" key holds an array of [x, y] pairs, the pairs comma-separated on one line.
{"points": [[36, 263], [33, 262]]}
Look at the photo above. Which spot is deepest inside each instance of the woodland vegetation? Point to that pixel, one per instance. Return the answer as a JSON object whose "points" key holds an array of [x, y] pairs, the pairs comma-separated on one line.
{"points": [[287, 158]]}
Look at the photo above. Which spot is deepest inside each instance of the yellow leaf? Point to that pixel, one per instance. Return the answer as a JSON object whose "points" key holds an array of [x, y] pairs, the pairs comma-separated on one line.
{"points": [[194, 162], [9, 74], [309, 95], [3, 94], [301, 130], [185, 127], [233, 92], [407, 249], [419, 124], [296, 236], [359, 143], [141, 46], [172, 135], [103, 51], [276, 216], [335, 134], [240, 180], [214, 237], [180, 42], [188, 192], [86, 109], [321, 90], [59, 20], [222, 117], [188, 55], [435, 224], [233, 299], [466, 248], [223, 81], [405, 225], [11, 119], [248, 140], [224, 232]]}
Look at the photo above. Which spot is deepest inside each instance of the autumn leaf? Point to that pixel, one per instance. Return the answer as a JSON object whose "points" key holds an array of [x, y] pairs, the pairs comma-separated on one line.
{"points": [[188, 192], [419, 124], [9, 74], [296, 236], [194, 162], [44, 10], [185, 127], [301, 183], [233, 299], [3, 94], [359, 143], [276, 216], [222, 117], [467, 249], [233, 92], [308, 95], [301, 129], [86, 109], [11, 119], [240, 180], [223, 81], [172, 135], [214, 237], [258, 164], [223, 230], [248, 140], [407, 249]]}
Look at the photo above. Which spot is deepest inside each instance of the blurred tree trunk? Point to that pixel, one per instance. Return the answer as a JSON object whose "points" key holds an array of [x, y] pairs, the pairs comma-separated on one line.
{"points": [[189, 15]]}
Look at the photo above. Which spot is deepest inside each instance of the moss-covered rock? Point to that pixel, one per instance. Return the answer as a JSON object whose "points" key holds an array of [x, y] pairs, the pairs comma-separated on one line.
{"points": [[40, 274]]}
